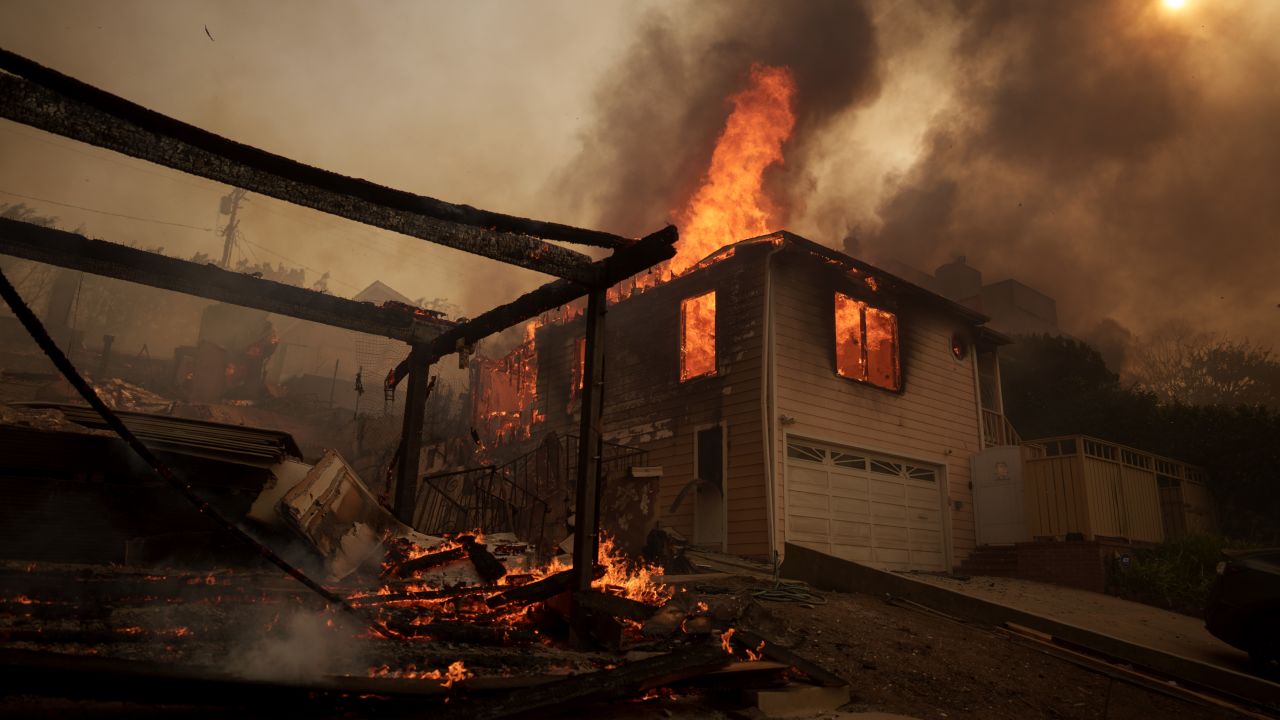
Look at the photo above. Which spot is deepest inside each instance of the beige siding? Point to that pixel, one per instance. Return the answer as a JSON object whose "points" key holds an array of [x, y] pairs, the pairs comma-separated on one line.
{"points": [[934, 419], [1091, 496]]}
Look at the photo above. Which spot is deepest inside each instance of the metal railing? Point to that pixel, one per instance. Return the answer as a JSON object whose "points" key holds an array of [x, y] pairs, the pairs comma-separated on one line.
{"points": [[529, 496], [997, 430]]}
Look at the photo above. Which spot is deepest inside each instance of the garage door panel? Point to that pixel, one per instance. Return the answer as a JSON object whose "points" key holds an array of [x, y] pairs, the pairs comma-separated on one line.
{"points": [[806, 503], [843, 507], [848, 486], [852, 533], [807, 479], [891, 521], [856, 553], [886, 512], [809, 528]]}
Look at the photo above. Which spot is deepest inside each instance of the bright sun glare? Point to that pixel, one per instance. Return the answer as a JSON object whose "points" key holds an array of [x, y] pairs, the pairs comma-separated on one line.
{"points": [[1174, 4]]}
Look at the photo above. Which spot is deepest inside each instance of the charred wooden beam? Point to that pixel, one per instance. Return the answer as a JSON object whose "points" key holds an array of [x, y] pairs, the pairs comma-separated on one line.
{"points": [[626, 680], [98, 257], [615, 605], [43, 98], [586, 535], [426, 562], [537, 591], [781, 653], [415, 415], [488, 567], [623, 264]]}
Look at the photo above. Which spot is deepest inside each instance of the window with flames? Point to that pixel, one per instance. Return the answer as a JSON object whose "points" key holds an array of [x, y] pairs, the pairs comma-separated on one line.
{"points": [[867, 343], [698, 336]]}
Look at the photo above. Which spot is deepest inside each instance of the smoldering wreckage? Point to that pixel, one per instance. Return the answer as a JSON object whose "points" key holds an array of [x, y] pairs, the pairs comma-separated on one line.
{"points": [[508, 617]]}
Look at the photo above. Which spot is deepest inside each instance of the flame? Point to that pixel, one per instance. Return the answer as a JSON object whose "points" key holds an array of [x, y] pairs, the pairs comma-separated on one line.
{"points": [[725, 637], [866, 340], [698, 336], [634, 580], [731, 204], [456, 673]]}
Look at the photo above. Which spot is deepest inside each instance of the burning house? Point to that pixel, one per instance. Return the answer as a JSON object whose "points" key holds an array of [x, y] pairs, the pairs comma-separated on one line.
{"points": [[791, 393]]}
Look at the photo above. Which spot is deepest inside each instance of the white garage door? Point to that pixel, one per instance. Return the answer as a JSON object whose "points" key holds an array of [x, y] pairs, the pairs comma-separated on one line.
{"points": [[882, 511]]}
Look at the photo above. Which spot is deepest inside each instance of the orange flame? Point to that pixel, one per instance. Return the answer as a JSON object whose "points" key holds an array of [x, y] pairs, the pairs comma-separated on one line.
{"points": [[731, 203]]}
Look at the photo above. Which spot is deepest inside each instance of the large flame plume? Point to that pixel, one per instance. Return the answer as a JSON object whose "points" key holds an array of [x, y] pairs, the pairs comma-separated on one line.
{"points": [[731, 203]]}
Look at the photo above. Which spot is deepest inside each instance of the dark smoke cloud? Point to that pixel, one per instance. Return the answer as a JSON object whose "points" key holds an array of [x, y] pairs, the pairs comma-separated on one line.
{"points": [[1118, 156], [659, 110]]}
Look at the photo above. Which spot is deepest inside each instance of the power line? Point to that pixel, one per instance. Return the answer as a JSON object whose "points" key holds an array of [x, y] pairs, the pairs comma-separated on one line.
{"points": [[179, 178], [105, 212]]}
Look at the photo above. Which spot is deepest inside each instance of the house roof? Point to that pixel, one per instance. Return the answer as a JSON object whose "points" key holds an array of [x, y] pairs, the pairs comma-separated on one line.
{"points": [[886, 280], [379, 292]]}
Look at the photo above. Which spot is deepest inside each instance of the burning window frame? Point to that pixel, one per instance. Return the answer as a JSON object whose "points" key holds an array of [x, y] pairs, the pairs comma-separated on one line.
{"points": [[863, 372], [688, 373]]}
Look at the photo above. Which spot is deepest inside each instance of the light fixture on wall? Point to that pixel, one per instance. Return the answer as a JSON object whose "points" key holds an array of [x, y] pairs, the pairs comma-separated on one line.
{"points": [[959, 347]]}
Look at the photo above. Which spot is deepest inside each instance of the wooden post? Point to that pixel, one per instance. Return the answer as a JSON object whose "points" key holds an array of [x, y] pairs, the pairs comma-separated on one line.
{"points": [[415, 410], [587, 523]]}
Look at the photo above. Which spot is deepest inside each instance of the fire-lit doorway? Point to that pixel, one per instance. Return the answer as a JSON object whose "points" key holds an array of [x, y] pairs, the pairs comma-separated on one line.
{"points": [[709, 498]]}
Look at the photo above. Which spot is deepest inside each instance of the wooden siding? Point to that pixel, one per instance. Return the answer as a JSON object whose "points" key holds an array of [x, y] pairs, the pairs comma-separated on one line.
{"points": [[647, 406], [1093, 496], [934, 419]]}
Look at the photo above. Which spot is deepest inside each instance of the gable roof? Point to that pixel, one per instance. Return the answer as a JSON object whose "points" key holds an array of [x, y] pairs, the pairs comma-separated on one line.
{"points": [[821, 253], [379, 292]]}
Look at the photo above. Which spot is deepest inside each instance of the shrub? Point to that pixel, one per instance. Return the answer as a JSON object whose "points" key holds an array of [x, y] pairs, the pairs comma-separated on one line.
{"points": [[1176, 575]]}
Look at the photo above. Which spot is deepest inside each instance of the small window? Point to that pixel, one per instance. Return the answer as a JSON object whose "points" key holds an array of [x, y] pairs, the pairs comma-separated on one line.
{"points": [[846, 460], [806, 452], [919, 473], [698, 336], [884, 467], [866, 343]]}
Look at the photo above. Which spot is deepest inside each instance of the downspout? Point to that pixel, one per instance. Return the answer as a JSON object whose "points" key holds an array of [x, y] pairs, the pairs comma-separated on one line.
{"points": [[768, 405]]}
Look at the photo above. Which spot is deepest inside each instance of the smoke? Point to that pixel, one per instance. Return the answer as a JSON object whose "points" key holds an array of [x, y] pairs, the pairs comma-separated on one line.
{"points": [[296, 645], [1116, 155], [659, 109]]}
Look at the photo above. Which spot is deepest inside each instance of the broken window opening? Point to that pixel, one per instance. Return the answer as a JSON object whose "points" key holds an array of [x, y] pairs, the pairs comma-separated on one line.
{"points": [[698, 336], [579, 372], [866, 343]]}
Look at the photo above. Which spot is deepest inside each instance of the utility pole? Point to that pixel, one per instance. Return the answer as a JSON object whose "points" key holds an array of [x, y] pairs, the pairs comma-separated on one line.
{"points": [[230, 206]]}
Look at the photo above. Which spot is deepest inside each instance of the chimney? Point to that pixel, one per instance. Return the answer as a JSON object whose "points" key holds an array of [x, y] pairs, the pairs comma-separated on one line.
{"points": [[958, 281]]}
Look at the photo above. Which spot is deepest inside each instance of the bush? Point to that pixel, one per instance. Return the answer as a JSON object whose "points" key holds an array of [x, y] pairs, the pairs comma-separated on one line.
{"points": [[1176, 575]]}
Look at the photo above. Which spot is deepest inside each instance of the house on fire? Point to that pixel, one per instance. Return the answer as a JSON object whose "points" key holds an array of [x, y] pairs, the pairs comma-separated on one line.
{"points": [[791, 393]]}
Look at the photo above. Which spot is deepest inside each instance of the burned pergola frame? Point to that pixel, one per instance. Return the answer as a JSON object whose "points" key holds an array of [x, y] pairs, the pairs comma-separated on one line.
{"points": [[37, 96]]}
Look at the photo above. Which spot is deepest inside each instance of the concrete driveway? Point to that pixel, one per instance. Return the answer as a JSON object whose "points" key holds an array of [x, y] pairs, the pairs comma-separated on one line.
{"points": [[1130, 621]]}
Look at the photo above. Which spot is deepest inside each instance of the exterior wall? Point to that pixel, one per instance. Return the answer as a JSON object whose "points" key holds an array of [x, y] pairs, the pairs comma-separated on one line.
{"points": [[647, 406], [934, 419]]}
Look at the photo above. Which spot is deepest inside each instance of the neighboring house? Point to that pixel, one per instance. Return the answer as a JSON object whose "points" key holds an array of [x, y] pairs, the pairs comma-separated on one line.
{"points": [[791, 393], [320, 362]]}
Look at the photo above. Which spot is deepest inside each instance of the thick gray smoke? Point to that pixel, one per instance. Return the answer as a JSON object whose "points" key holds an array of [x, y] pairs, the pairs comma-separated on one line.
{"points": [[659, 110], [1117, 155]]}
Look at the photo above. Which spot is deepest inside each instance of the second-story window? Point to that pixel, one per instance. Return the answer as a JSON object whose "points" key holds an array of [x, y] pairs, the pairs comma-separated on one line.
{"points": [[698, 336], [866, 343]]}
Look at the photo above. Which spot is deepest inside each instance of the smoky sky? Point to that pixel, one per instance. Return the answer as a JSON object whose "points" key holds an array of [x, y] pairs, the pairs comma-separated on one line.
{"points": [[658, 110], [1118, 156]]}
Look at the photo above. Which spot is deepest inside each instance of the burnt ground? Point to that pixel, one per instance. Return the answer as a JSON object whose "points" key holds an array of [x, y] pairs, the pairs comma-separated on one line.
{"points": [[914, 662]]}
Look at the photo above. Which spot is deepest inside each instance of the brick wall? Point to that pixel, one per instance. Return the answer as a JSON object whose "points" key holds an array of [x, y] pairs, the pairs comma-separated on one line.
{"points": [[1078, 564]]}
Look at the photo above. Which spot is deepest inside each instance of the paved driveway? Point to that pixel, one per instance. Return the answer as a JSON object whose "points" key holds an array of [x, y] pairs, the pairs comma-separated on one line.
{"points": [[1134, 622]]}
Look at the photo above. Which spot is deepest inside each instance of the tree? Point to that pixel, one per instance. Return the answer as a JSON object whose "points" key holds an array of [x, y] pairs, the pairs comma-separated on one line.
{"points": [[1059, 386], [1180, 364]]}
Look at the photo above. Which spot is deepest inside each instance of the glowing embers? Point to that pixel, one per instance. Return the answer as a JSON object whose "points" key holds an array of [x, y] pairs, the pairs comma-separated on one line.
{"points": [[698, 336], [866, 343], [506, 408]]}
